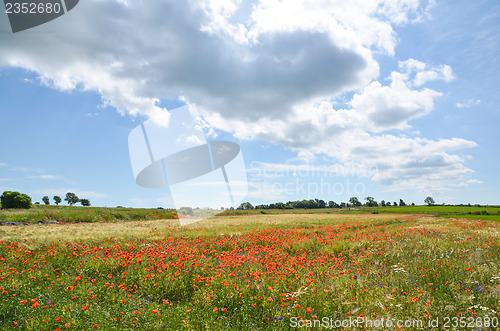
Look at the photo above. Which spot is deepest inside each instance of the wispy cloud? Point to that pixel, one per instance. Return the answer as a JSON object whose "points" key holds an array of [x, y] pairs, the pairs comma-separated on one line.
{"points": [[265, 191], [469, 182], [26, 169], [33, 173], [80, 193], [307, 169], [139, 202], [468, 103], [47, 177]]}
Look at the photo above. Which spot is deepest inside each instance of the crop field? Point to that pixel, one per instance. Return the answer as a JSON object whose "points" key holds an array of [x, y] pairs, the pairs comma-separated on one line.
{"points": [[253, 272]]}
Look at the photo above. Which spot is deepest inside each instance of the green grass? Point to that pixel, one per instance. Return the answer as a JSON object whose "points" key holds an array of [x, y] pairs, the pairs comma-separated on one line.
{"points": [[99, 214], [473, 217], [82, 214], [472, 212], [440, 210]]}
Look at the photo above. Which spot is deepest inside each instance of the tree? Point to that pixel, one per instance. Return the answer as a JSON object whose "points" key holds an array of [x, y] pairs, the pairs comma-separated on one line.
{"points": [[332, 204], [57, 199], [46, 200], [429, 201], [388, 203], [370, 202], [246, 206], [10, 199], [188, 211], [395, 204], [382, 203], [354, 202], [279, 205], [85, 202], [401, 203], [71, 198]]}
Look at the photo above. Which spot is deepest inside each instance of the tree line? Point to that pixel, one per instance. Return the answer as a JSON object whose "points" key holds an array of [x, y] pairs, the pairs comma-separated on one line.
{"points": [[318, 204], [11, 199], [71, 198]]}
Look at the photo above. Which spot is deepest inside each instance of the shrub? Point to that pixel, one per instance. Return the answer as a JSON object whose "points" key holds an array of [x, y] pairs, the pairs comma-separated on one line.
{"points": [[188, 211], [10, 199]]}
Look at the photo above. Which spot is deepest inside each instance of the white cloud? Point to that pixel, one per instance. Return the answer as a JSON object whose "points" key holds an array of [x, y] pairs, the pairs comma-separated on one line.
{"points": [[424, 73], [352, 24], [264, 70], [469, 182], [26, 169], [265, 191], [47, 177], [356, 136], [35, 173], [3, 164], [140, 203], [398, 163], [352, 136], [306, 168], [406, 163], [239, 59], [376, 108], [391, 107], [80, 193], [404, 11], [189, 140], [468, 103]]}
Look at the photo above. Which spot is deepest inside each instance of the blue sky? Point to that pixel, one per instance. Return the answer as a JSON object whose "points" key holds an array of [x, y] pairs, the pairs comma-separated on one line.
{"points": [[389, 99]]}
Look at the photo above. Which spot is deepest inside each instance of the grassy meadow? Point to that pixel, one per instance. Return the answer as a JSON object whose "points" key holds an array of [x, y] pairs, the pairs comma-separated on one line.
{"points": [[469, 212], [258, 271], [73, 214]]}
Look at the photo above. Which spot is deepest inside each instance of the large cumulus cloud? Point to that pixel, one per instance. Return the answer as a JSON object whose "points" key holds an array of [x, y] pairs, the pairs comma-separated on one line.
{"points": [[266, 69]]}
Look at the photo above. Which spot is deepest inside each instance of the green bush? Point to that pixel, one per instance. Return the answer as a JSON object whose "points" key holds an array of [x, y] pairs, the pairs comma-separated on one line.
{"points": [[10, 199], [188, 211]]}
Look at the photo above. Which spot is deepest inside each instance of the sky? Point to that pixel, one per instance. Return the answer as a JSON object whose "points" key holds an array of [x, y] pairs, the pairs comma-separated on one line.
{"points": [[392, 99]]}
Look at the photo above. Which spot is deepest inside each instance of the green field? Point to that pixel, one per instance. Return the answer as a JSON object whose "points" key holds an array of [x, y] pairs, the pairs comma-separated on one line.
{"points": [[82, 214], [103, 214], [472, 212], [258, 271]]}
